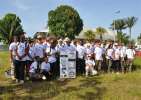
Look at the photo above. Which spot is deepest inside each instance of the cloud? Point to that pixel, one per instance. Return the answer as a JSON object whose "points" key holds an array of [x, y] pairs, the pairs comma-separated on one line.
{"points": [[19, 4]]}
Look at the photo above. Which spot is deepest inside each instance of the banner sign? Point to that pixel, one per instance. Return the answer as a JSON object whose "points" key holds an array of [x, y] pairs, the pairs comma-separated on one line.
{"points": [[68, 64]]}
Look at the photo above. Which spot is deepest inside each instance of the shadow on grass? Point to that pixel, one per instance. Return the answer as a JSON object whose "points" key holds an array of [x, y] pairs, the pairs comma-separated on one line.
{"points": [[95, 84], [31, 90]]}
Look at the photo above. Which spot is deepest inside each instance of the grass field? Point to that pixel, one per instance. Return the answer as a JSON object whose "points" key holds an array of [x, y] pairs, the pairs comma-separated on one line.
{"points": [[102, 87]]}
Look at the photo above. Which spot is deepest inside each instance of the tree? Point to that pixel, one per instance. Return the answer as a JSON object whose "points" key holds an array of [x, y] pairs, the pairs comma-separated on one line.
{"points": [[100, 31], [10, 25], [130, 22], [139, 37], [90, 35], [118, 25], [122, 37], [64, 21]]}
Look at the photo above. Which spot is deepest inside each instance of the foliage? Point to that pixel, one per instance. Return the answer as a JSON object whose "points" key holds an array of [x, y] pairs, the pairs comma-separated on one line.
{"points": [[90, 35], [100, 31], [130, 22], [122, 38], [10, 25], [102, 87], [118, 25], [139, 37], [64, 21]]}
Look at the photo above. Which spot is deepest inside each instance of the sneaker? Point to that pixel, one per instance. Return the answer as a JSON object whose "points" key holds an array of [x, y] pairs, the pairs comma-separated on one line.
{"points": [[21, 82], [44, 78], [27, 78], [13, 78], [17, 80]]}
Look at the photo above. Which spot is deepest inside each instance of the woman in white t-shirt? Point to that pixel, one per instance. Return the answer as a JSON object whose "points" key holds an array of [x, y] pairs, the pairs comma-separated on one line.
{"points": [[89, 66], [30, 56], [51, 52], [109, 56], [130, 52]]}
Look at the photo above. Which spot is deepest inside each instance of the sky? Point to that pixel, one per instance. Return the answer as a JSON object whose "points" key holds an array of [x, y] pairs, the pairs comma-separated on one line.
{"points": [[94, 13]]}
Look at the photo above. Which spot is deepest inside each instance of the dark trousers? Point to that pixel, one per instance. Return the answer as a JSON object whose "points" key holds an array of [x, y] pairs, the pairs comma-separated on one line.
{"points": [[116, 65], [98, 65], [19, 69], [54, 68], [27, 65], [80, 66], [46, 74]]}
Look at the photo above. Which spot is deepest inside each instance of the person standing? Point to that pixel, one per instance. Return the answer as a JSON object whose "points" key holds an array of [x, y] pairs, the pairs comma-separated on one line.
{"points": [[116, 58], [21, 53], [98, 53], [30, 57], [80, 61], [109, 56], [130, 52], [12, 49], [39, 50], [51, 52]]}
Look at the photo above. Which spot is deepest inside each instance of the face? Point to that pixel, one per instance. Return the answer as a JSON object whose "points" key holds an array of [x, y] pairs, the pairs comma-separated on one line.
{"points": [[15, 39], [46, 59], [40, 40], [22, 38]]}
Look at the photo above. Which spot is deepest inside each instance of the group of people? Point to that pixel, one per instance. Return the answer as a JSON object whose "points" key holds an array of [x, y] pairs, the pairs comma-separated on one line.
{"points": [[39, 58]]}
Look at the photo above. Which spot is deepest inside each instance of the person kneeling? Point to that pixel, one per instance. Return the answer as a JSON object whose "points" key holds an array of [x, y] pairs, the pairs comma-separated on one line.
{"points": [[33, 72], [90, 66], [45, 69]]}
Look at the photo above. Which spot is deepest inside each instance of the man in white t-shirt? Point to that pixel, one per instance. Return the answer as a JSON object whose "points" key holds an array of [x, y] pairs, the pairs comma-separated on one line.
{"points": [[52, 54], [12, 49], [21, 54], [130, 52], [45, 69], [80, 61], [122, 56], [116, 57], [98, 52]]}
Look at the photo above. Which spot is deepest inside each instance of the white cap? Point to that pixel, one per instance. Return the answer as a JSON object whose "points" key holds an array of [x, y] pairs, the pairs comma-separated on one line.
{"points": [[115, 43], [66, 39]]}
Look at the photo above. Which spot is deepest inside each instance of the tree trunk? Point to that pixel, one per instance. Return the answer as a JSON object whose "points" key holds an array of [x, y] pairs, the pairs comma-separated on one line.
{"points": [[101, 38], [130, 34]]}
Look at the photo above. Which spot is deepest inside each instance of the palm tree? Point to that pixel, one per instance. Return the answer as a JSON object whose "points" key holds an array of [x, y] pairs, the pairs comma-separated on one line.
{"points": [[130, 22], [122, 37], [100, 31], [89, 34], [118, 25]]}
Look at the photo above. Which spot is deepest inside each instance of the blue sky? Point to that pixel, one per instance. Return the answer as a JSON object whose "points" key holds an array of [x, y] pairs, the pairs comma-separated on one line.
{"points": [[34, 13]]}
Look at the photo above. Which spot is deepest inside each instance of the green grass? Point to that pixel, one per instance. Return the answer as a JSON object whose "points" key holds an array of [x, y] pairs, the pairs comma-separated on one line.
{"points": [[103, 87]]}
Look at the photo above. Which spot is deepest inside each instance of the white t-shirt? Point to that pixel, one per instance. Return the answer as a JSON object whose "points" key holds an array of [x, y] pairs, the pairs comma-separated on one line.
{"points": [[52, 52], [88, 51], [21, 51], [45, 66], [81, 51], [69, 48], [117, 54], [109, 53], [123, 51], [13, 47], [33, 67], [31, 53], [39, 50], [90, 62], [98, 53], [130, 53]]}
